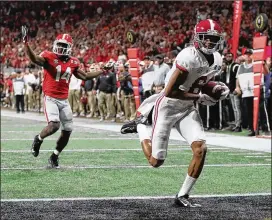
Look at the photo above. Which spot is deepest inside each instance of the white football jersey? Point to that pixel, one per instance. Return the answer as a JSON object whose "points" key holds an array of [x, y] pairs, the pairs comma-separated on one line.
{"points": [[195, 63]]}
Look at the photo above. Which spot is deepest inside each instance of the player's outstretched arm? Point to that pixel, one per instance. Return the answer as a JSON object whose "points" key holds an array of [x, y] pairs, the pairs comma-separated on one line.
{"points": [[80, 74], [32, 56]]}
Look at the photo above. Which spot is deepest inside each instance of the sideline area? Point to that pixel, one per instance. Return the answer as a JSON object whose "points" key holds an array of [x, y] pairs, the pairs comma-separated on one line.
{"points": [[223, 140]]}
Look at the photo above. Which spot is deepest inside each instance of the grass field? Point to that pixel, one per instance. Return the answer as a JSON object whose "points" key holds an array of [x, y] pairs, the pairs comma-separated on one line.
{"points": [[99, 163]]}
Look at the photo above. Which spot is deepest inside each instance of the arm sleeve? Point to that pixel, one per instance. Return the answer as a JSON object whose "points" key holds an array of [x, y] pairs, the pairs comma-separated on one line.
{"points": [[185, 60]]}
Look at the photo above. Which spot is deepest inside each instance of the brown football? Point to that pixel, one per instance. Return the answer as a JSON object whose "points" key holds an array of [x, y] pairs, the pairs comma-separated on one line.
{"points": [[213, 89]]}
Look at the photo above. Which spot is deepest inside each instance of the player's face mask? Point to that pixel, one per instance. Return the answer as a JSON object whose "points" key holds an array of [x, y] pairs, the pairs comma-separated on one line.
{"points": [[209, 43], [62, 48]]}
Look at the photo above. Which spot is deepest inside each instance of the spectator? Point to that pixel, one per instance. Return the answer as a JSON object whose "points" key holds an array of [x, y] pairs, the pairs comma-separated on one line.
{"points": [[127, 89], [230, 79], [106, 84], [244, 87], [74, 95], [29, 81], [160, 69], [147, 79], [19, 91], [265, 105], [89, 86], [36, 90]]}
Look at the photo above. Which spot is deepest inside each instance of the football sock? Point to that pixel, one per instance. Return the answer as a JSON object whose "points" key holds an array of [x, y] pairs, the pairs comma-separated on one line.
{"points": [[56, 152], [143, 132], [39, 137], [187, 185]]}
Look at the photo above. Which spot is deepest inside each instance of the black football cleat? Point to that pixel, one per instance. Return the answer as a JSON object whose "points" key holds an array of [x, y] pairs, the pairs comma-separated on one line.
{"points": [[131, 127], [53, 161], [183, 201], [36, 146]]}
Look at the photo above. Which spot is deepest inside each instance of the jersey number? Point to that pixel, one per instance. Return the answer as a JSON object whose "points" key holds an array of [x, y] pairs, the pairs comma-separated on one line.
{"points": [[66, 75]]}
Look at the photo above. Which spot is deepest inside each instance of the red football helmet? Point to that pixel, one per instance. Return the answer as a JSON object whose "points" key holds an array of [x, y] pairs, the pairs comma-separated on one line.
{"points": [[63, 45], [208, 36]]}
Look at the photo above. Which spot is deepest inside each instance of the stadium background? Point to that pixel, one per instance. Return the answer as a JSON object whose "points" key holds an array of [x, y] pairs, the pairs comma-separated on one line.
{"points": [[99, 31]]}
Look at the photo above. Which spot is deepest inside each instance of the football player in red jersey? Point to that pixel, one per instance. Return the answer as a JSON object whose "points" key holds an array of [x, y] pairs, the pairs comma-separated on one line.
{"points": [[193, 67], [58, 67]]}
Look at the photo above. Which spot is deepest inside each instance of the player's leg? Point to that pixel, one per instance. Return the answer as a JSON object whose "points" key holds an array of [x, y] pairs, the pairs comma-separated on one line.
{"points": [[145, 109], [155, 148], [51, 112], [66, 119], [191, 128]]}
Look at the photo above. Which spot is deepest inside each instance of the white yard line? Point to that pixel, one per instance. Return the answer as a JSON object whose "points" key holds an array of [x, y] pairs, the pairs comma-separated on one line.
{"points": [[133, 166], [262, 156], [246, 153], [130, 197], [94, 138], [108, 149]]}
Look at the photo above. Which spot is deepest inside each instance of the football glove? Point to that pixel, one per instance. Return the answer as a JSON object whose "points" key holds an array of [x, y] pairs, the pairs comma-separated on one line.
{"points": [[24, 34], [204, 99], [226, 91]]}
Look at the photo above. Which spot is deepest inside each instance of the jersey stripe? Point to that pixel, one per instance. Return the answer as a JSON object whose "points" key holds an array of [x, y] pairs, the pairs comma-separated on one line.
{"points": [[211, 24], [44, 108], [156, 110], [181, 68]]}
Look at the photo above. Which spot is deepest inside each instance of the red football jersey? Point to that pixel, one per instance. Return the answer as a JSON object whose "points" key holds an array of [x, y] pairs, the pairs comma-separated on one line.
{"points": [[57, 75]]}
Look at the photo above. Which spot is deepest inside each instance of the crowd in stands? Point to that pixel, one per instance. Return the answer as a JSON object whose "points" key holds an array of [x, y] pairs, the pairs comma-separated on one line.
{"points": [[99, 33]]}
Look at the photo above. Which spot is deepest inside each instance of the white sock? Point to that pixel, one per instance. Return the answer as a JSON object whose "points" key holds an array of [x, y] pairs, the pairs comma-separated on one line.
{"points": [[143, 132], [187, 185], [40, 138], [56, 152]]}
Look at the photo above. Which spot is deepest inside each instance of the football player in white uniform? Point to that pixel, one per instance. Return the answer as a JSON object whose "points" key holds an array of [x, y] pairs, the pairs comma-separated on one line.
{"points": [[175, 105]]}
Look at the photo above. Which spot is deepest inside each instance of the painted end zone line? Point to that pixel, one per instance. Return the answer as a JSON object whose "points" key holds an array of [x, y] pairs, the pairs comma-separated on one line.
{"points": [[131, 166], [130, 197]]}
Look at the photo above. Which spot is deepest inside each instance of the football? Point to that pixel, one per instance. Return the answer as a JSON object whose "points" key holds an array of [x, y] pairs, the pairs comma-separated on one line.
{"points": [[213, 89]]}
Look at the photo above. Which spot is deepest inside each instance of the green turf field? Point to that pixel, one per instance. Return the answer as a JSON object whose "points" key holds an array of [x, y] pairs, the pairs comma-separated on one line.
{"points": [[102, 163]]}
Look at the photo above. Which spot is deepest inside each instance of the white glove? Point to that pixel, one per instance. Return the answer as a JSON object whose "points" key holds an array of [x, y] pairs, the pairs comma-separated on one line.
{"points": [[205, 99], [226, 91], [24, 34]]}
